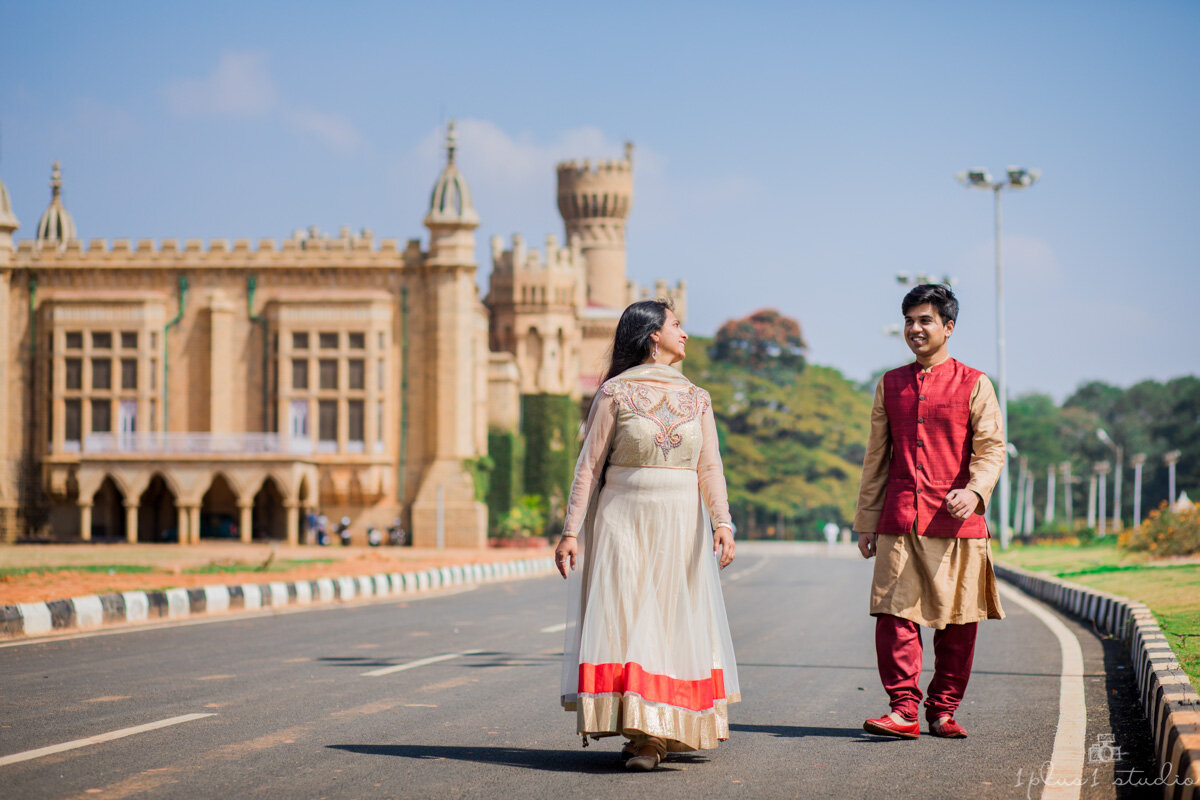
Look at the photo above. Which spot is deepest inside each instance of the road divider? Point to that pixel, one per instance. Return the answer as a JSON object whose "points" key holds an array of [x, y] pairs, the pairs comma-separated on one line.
{"points": [[109, 610], [1169, 701]]}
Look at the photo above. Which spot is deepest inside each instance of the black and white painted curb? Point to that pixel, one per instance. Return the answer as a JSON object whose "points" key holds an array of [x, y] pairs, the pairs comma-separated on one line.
{"points": [[1171, 704], [95, 611]]}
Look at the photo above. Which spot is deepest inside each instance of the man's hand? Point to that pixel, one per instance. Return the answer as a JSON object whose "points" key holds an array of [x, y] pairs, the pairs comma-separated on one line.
{"points": [[962, 503], [723, 544], [866, 544], [564, 554]]}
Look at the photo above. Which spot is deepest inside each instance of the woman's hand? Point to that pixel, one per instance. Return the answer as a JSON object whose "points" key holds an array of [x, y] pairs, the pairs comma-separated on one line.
{"points": [[723, 544], [568, 548]]}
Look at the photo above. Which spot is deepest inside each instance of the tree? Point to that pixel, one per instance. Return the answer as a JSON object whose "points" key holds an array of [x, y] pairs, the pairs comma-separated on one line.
{"points": [[766, 342]]}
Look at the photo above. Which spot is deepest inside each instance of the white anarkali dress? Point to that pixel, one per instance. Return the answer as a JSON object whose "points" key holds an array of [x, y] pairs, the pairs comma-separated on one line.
{"points": [[648, 651]]}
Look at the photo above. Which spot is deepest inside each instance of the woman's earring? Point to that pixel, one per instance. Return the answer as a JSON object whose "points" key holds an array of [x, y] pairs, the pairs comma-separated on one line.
{"points": [[656, 349]]}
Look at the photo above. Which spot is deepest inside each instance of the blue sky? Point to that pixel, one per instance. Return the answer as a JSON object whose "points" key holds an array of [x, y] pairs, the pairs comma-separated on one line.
{"points": [[790, 155]]}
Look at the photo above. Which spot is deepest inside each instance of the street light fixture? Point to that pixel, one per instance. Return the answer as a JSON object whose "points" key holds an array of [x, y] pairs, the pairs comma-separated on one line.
{"points": [[1103, 436], [1018, 178]]}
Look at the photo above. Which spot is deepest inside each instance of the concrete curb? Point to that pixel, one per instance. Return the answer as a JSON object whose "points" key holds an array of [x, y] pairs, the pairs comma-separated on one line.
{"points": [[1170, 703], [127, 608]]}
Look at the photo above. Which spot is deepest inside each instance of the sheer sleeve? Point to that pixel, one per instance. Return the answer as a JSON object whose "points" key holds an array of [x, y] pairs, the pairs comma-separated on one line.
{"points": [[709, 471], [597, 439]]}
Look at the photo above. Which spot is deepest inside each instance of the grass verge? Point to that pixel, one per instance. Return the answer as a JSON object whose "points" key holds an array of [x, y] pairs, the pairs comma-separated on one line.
{"points": [[1172, 590]]}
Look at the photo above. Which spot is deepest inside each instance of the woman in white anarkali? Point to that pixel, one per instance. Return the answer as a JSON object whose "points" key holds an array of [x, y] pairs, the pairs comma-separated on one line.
{"points": [[648, 654]]}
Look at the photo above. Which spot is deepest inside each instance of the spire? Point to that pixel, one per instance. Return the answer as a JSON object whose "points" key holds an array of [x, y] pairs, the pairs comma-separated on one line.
{"points": [[450, 203], [56, 226]]}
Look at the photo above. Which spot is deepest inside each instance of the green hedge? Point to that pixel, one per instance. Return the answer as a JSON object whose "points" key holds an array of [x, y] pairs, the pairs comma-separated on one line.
{"points": [[550, 423], [507, 452]]}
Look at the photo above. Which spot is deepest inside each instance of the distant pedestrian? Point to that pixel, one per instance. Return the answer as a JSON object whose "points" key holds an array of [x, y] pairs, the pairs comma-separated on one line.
{"points": [[344, 531], [934, 453], [374, 537]]}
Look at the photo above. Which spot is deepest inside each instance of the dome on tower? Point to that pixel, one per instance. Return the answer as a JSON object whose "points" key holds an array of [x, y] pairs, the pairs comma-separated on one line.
{"points": [[8, 220], [55, 226], [450, 202]]}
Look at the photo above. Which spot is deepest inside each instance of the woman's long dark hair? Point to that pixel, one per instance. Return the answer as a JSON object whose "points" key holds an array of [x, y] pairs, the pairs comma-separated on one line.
{"points": [[632, 343]]}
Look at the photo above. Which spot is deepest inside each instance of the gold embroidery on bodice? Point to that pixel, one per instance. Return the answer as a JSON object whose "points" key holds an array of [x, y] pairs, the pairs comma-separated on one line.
{"points": [[666, 411]]}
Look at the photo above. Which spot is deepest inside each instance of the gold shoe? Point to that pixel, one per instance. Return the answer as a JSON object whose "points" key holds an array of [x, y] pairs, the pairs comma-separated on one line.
{"points": [[644, 759]]}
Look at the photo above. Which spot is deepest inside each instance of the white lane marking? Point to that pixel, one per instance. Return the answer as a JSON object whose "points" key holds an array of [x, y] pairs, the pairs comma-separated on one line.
{"points": [[559, 628], [420, 662], [29, 755], [750, 570], [1064, 776]]}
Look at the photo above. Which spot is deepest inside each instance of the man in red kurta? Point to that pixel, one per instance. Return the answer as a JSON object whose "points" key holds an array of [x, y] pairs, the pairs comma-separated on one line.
{"points": [[934, 454]]}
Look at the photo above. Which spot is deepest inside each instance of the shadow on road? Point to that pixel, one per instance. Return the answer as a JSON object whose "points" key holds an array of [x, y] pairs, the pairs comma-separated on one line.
{"points": [[596, 762], [872, 668], [802, 731]]}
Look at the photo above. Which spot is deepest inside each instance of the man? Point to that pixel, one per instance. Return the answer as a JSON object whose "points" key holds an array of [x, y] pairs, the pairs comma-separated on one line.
{"points": [[933, 456]]}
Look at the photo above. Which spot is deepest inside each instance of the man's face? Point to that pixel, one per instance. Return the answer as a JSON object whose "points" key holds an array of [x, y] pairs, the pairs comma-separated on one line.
{"points": [[924, 331]]}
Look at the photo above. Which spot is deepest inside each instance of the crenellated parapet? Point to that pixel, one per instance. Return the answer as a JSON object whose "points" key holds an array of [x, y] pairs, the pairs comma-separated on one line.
{"points": [[303, 249], [662, 290], [529, 278]]}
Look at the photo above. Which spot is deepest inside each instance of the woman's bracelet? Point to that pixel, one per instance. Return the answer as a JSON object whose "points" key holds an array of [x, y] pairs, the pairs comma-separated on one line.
{"points": [[724, 525], [570, 535]]}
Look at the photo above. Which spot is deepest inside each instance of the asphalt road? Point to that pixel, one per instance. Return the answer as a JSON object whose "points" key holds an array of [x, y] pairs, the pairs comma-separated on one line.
{"points": [[454, 694]]}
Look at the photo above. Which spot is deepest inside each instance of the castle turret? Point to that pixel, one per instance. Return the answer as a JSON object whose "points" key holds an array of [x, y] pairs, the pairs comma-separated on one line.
{"points": [[594, 204], [56, 226], [535, 304], [445, 510]]}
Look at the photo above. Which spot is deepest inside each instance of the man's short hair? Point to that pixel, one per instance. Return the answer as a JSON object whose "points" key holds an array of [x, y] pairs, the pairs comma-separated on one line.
{"points": [[936, 294]]}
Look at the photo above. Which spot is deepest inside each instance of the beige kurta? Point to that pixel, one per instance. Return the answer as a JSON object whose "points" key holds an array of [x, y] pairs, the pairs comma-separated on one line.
{"points": [[933, 581]]}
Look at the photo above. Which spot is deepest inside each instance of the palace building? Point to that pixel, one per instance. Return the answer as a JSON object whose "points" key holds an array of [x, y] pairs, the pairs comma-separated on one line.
{"points": [[174, 391]]}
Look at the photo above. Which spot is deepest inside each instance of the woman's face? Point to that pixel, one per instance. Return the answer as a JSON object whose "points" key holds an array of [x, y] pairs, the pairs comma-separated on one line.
{"points": [[671, 340]]}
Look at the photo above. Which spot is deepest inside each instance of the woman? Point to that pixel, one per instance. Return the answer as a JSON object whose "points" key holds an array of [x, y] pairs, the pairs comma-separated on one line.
{"points": [[648, 654]]}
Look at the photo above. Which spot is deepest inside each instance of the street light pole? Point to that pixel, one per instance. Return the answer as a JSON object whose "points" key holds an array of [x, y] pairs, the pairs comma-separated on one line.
{"points": [[1018, 178], [1120, 452], [1171, 459], [1138, 460]]}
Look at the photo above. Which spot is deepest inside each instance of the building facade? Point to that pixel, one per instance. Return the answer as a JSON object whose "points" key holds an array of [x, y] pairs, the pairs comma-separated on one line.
{"points": [[173, 391]]}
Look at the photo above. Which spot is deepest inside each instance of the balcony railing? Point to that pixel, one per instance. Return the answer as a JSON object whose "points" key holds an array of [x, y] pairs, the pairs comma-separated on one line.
{"points": [[196, 443]]}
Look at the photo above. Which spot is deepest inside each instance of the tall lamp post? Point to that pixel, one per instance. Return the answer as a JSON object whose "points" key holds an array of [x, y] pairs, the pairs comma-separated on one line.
{"points": [[1171, 459], [1103, 436], [1017, 178], [1138, 461]]}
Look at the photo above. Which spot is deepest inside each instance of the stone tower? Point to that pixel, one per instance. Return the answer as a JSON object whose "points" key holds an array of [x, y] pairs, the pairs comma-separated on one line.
{"points": [[594, 204], [446, 498]]}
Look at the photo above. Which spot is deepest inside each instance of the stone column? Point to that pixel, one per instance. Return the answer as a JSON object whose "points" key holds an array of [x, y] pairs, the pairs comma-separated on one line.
{"points": [[222, 391], [245, 521], [293, 522], [131, 523], [85, 521], [194, 524], [181, 524]]}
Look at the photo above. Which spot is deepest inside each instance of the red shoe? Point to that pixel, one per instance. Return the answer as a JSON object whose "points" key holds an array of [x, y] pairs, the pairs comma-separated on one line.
{"points": [[946, 728], [886, 726]]}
